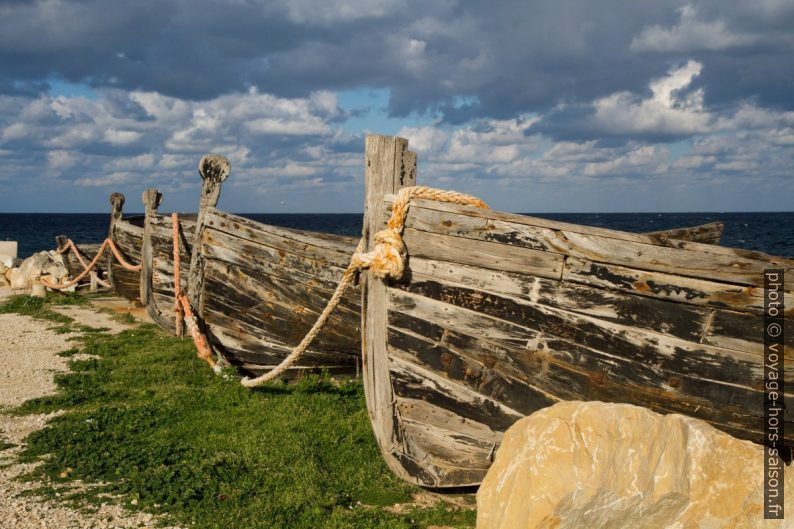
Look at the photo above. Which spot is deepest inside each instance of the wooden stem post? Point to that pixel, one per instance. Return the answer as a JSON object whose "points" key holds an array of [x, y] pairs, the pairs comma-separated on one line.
{"points": [[214, 169], [151, 201], [389, 166], [60, 243], [116, 203]]}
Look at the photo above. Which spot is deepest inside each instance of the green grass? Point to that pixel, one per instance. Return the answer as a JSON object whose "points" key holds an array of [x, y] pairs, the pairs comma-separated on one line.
{"points": [[155, 425]]}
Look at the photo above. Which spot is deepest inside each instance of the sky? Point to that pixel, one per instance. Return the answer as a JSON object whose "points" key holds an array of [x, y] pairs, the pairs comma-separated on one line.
{"points": [[564, 106]]}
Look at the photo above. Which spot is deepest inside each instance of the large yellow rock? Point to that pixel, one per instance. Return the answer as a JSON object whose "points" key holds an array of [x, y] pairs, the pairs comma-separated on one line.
{"points": [[593, 465]]}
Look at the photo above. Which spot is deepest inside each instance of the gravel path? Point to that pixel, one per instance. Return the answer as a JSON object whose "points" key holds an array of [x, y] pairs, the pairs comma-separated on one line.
{"points": [[28, 360]]}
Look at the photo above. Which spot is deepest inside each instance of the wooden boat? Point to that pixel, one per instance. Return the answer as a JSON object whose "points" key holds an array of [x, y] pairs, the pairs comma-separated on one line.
{"points": [[257, 289], [499, 315], [127, 233]]}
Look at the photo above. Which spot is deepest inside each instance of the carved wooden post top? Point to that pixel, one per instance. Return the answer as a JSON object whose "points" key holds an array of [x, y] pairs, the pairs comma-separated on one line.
{"points": [[152, 198], [61, 241], [117, 201], [214, 167]]}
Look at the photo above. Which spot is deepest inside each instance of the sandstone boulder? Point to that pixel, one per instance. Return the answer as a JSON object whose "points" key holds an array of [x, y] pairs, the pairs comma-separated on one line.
{"points": [[608, 466], [34, 267]]}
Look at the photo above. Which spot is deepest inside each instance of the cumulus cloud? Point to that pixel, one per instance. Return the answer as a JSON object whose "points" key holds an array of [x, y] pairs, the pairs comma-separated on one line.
{"points": [[670, 110], [690, 34]]}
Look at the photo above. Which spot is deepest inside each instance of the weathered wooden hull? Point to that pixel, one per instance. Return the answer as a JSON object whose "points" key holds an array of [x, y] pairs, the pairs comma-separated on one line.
{"points": [[499, 315], [127, 233], [262, 288], [157, 273], [256, 289]]}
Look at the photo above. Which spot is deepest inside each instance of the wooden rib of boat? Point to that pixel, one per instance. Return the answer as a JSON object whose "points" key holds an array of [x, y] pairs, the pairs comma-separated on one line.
{"points": [[499, 315], [127, 233]]}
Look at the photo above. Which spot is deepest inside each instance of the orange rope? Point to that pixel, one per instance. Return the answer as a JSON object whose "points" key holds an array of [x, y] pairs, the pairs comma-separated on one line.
{"points": [[105, 244], [70, 245], [182, 307], [178, 323]]}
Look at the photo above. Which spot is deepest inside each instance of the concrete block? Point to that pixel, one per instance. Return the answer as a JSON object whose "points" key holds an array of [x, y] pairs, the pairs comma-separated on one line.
{"points": [[8, 248]]}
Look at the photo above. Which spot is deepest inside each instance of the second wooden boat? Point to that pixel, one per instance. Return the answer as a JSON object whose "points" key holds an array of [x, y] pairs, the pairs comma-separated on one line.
{"points": [[499, 315], [127, 233], [256, 288]]}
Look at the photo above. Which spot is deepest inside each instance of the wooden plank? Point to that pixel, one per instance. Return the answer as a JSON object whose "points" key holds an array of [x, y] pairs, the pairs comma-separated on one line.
{"points": [[709, 233], [339, 246], [667, 317], [551, 366], [669, 286], [446, 448], [456, 210], [421, 411], [745, 332], [116, 203], [234, 249], [411, 381], [387, 168], [264, 301], [240, 346], [315, 276], [482, 254], [308, 244], [605, 246], [618, 340], [128, 238], [467, 371]]}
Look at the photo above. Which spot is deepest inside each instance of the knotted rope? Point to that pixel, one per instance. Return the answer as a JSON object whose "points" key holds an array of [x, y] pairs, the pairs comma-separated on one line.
{"points": [[107, 243], [182, 309], [387, 259]]}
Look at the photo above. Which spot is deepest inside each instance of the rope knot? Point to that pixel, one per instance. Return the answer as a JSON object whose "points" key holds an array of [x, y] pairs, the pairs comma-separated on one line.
{"points": [[388, 256], [387, 259]]}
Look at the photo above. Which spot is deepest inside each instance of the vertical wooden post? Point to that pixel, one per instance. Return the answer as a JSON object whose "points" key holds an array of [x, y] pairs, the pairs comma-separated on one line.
{"points": [[60, 243], [117, 203], [151, 201], [389, 166], [214, 169]]}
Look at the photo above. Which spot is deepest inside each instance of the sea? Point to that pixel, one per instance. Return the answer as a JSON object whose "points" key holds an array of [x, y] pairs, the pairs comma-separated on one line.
{"points": [[771, 233]]}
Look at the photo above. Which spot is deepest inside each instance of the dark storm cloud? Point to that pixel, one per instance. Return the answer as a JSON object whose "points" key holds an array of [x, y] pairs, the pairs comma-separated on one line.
{"points": [[511, 57]]}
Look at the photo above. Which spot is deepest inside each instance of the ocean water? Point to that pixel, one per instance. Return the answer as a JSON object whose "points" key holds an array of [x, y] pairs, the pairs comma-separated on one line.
{"points": [[772, 233]]}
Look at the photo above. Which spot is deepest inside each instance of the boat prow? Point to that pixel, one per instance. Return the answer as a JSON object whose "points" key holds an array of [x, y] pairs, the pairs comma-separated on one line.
{"points": [[499, 315]]}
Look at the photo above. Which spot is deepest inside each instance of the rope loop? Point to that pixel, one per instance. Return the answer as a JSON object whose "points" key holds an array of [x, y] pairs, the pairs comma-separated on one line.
{"points": [[107, 243]]}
